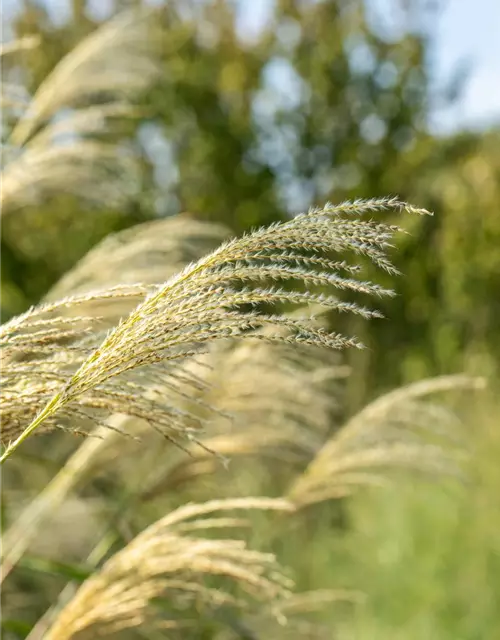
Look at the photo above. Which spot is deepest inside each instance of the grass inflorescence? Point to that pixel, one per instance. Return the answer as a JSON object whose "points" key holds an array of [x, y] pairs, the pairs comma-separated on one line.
{"points": [[222, 296]]}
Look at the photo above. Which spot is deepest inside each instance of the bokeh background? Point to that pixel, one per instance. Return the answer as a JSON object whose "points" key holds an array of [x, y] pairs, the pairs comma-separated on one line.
{"points": [[243, 113]]}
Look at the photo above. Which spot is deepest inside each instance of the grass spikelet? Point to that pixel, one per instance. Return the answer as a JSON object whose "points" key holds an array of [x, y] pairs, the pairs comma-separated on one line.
{"points": [[168, 559], [398, 430], [221, 296]]}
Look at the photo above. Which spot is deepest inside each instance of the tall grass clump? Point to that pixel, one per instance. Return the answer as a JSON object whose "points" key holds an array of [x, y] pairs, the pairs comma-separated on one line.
{"points": [[199, 369], [232, 355], [226, 294]]}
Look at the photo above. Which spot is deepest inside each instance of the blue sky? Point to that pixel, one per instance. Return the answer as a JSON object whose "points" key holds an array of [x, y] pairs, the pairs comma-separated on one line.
{"points": [[468, 31]]}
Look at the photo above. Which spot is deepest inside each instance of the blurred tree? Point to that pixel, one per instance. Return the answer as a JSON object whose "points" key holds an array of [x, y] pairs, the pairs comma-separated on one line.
{"points": [[322, 102]]}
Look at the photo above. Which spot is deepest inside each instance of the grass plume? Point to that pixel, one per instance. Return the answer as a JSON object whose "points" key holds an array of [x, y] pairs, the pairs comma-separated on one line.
{"points": [[221, 296], [48, 153], [170, 559], [401, 429]]}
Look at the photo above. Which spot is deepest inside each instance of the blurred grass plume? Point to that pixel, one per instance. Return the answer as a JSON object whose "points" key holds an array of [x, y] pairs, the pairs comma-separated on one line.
{"points": [[170, 559], [58, 144]]}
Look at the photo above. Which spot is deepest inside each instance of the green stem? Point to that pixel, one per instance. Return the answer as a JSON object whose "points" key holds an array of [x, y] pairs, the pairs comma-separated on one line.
{"points": [[49, 409]]}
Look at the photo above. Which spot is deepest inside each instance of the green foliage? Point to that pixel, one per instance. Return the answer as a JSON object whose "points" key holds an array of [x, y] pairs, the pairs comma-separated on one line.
{"points": [[428, 557]]}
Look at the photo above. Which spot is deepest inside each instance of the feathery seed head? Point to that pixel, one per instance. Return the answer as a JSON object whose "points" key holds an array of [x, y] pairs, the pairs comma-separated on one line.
{"points": [[169, 559], [226, 294]]}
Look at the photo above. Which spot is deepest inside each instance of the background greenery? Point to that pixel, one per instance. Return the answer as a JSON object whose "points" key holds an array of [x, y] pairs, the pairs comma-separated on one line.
{"points": [[317, 106]]}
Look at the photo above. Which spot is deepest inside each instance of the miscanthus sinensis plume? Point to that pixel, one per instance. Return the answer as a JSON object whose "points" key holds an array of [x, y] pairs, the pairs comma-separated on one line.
{"points": [[173, 558], [228, 294], [59, 143], [402, 429]]}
